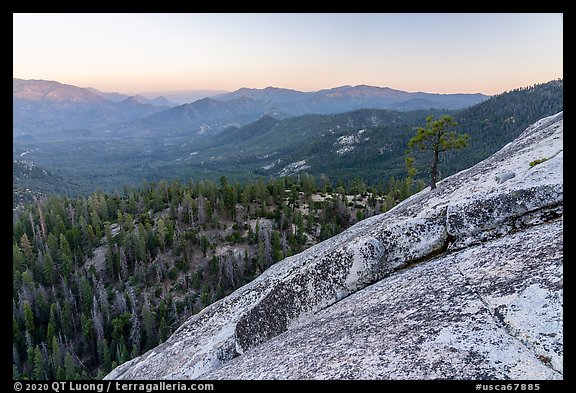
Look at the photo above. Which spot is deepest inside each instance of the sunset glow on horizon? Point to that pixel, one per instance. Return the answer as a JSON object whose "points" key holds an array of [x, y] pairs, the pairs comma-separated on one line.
{"points": [[437, 53]]}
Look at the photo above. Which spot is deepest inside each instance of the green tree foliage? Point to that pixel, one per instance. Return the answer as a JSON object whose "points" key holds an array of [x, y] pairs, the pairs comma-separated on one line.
{"points": [[29, 318], [111, 276], [70, 367], [39, 364], [436, 138]]}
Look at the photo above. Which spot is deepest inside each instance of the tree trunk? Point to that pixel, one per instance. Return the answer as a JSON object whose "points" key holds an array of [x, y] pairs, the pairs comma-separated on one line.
{"points": [[434, 170]]}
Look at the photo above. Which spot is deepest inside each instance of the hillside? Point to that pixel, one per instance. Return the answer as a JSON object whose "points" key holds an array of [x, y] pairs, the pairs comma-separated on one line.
{"points": [[213, 113], [367, 143], [101, 279], [30, 181], [467, 284]]}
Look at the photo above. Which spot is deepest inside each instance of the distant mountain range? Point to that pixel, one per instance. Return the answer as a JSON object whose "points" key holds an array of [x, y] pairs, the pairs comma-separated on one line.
{"points": [[245, 105], [347, 98], [244, 137], [47, 106], [158, 100], [180, 97]]}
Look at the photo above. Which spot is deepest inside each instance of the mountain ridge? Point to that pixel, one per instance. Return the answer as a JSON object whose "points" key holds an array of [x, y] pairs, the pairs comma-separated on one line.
{"points": [[41, 106], [45, 106], [246, 104], [328, 101], [44, 90]]}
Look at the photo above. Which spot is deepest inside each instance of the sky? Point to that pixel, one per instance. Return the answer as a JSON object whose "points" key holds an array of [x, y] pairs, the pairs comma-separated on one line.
{"points": [[436, 53]]}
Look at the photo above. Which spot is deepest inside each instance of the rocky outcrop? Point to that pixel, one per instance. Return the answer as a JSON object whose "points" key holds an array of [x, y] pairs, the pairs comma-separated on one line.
{"points": [[487, 312], [461, 282]]}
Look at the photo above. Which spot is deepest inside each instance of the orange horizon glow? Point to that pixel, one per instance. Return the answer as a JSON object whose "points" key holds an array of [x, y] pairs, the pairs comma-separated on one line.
{"points": [[434, 53], [489, 88]]}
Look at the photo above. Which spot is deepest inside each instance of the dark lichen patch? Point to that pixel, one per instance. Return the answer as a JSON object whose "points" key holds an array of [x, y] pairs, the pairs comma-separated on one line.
{"points": [[500, 314]]}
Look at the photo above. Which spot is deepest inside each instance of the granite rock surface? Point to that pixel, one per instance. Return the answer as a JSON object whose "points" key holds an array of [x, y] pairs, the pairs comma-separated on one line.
{"points": [[462, 282]]}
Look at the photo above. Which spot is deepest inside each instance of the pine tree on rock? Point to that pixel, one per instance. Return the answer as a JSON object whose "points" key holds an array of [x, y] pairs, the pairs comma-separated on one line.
{"points": [[435, 137]]}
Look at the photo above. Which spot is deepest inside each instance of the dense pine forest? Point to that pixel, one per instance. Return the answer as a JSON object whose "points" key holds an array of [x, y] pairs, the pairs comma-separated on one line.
{"points": [[101, 279]]}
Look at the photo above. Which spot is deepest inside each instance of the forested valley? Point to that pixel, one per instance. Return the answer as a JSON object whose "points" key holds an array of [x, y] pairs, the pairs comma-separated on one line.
{"points": [[101, 279]]}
